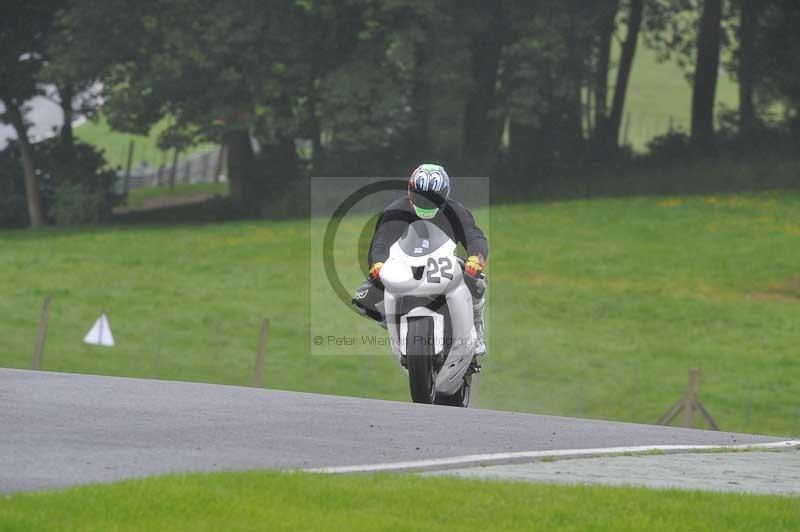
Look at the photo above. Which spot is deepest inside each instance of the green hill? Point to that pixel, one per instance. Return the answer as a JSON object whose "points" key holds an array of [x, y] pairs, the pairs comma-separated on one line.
{"points": [[598, 307], [115, 144]]}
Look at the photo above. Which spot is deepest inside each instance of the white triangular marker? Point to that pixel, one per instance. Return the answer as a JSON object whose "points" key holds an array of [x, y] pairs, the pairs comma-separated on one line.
{"points": [[100, 334]]}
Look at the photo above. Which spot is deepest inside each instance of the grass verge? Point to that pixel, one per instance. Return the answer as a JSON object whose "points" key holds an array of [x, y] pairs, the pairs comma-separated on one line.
{"points": [[294, 501], [149, 197]]}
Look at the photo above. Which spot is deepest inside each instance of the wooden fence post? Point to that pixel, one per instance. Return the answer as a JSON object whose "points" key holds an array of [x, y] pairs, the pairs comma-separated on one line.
{"points": [[688, 404], [258, 370], [187, 171], [39, 349], [173, 170], [691, 398], [157, 359], [220, 163], [126, 182], [162, 168], [204, 171]]}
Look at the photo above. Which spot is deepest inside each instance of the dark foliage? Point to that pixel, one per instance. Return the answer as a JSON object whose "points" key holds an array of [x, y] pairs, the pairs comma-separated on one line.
{"points": [[76, 186]]}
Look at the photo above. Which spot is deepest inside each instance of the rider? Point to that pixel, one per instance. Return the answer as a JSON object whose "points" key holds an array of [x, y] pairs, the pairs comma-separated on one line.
{"points": [[428, 199]]}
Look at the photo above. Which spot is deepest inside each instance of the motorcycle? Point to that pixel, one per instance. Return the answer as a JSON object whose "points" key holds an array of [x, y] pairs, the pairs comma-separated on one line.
{"points": [[429, 317]]}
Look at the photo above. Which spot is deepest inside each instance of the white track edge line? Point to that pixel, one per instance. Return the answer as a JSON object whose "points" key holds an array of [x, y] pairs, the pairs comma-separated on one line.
{"points": [[475, 460]]}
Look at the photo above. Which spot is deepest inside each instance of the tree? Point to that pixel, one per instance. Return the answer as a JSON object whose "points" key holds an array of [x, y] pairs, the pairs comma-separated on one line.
{"points": [[614, 121], [482, 121], [777, 68], [550, 65], [222, 77], [748, 22], [705, 74], [73, 72], [24, 30], [606, 24]]}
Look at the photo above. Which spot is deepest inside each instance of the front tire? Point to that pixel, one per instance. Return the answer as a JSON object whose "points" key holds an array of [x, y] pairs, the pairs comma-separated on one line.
{"points": [[420, 351], [460, 398]]}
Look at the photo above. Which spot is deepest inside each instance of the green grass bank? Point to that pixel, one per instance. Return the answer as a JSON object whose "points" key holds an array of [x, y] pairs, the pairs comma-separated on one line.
{"points": [[597, 307], [274, 501]]}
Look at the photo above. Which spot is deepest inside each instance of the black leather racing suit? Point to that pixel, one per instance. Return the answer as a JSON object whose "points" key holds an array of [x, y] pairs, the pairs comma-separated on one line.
{"points": [[454, 219]]}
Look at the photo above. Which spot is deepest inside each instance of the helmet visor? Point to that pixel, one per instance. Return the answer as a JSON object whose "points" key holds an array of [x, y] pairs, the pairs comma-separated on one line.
{"points": [[426, 200]]}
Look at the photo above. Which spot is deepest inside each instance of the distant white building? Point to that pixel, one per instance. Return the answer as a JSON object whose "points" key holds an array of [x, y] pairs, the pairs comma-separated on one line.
{"points": [[45, 119]]}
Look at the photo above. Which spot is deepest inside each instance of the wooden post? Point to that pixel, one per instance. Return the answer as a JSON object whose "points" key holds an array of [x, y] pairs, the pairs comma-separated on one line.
{"points": [[204, 170], [173, 170], [627, 129], [691, 398], [162, 168], [258, 370], [218, 337], [634, 389], [187, 171], [530, 368], [157, 359], [688, 404], [126, 182], [220, 163], [39, 349]]}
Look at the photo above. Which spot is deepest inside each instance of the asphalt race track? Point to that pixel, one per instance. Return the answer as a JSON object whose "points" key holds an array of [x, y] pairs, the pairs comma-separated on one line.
{"points": [[61, 429]]}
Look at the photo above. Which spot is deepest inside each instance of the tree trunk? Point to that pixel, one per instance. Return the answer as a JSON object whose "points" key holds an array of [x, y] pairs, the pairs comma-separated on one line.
{"points": [[173, 171], [523, 154], [415, 141], [32, 185], [611, 132], [239, 152], [479, 125], [605, 34], [66, 93], [705, 75], [747, 30], [567, 117], [315, 131]]}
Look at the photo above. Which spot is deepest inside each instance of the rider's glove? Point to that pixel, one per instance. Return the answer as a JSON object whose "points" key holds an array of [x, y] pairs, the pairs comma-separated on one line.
{"points": [[474, 265], [375, 271]]}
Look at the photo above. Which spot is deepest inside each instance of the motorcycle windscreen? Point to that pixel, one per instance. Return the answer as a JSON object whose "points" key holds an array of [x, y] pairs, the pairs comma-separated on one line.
{"points": [[421, 238]]}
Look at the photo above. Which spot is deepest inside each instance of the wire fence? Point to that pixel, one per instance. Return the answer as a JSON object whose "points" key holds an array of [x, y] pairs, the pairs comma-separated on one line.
{"points": [[255, 352], [201, 167]]}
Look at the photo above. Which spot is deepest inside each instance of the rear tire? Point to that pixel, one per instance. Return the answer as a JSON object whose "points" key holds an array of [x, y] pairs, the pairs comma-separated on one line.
{"points": [[420, 351]]}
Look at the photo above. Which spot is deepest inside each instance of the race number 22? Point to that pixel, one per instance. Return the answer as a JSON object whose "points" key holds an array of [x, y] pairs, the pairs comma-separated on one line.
{"points": [[444, 268]]}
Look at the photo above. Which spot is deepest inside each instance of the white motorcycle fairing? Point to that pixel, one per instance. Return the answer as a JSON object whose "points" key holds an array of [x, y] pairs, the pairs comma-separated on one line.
{"points": [[438, 274]]}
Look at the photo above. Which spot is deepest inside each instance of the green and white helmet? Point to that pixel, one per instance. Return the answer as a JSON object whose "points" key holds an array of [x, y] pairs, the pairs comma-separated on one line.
{"points": [[428, 190]]}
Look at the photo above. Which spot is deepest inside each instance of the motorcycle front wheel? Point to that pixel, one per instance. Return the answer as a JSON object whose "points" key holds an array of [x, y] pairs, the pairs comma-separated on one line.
{"points": [[460, 398], [420, 351]]}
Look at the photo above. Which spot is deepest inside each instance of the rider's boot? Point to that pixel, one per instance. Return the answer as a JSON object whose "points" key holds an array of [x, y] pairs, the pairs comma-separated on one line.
{"points": [[477, 311]]}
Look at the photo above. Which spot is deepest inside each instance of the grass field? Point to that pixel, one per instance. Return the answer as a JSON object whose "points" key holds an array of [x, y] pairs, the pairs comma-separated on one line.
{"points": [[659, 94], [273, 501], [145, 197], [597, 307]]}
